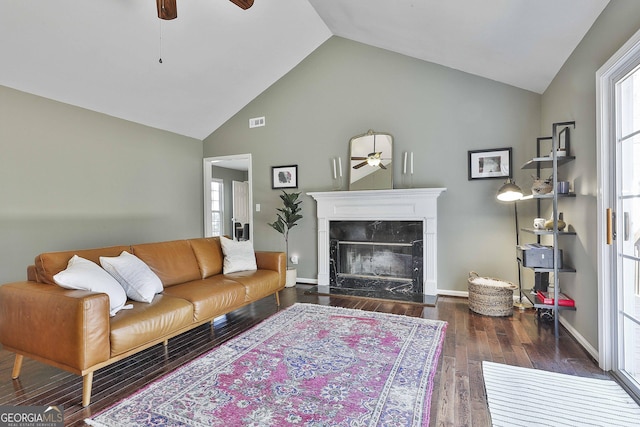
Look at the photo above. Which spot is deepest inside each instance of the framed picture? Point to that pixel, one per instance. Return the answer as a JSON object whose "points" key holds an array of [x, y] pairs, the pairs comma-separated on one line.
{"points": [[284, 176], [493, 163], [563, 141]]}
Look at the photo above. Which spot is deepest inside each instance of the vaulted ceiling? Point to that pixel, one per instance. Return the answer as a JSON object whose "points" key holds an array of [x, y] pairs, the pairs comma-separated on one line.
{"points": [[216, 57]]}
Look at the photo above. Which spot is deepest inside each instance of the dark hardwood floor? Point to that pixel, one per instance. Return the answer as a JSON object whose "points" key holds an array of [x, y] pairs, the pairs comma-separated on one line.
{"points": [[458, 398]]}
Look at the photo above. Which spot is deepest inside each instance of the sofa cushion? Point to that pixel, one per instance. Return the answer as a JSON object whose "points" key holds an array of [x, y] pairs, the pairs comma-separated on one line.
{"points": [[238, 256], [209, 255], [146, 323], [49, 264], [174, 262], [258, 284], [210, 297], [88, 276], [135, 277]]}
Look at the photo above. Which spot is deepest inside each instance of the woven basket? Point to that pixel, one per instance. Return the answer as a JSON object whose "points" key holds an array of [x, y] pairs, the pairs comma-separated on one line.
{"points": [[491, 297]]}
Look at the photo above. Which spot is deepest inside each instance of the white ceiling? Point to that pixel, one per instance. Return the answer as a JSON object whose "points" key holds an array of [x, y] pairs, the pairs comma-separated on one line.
{"points": [[103, 55]]}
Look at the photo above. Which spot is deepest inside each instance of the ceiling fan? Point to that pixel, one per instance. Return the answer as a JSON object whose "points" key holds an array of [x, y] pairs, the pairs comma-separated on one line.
{"points": [[167, 9], [373, 159]]}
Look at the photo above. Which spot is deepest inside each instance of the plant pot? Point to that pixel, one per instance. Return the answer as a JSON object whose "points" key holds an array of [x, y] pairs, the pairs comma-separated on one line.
{"points": [[292, 275]]}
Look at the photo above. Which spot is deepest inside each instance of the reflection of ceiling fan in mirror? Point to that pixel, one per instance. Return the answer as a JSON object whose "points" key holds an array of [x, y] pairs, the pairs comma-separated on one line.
{"points": [[373, 159], [167, 9]]}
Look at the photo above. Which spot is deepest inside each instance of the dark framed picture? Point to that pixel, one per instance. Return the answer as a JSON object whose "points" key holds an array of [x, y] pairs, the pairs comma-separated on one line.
{"points": [[563, 142], [284, 176], [488, 164]]}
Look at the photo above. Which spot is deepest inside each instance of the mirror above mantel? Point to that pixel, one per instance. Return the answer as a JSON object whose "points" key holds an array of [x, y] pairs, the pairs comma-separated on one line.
{"points": [[371, 161]]}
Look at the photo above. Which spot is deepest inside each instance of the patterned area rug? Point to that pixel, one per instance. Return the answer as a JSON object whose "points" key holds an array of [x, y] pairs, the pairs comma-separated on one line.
{"points": [[531, 397], [308, 365]]}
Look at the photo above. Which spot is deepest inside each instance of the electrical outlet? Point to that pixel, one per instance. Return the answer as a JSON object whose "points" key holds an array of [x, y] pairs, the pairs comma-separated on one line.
{"points": [[294, 259], [257, 207]]}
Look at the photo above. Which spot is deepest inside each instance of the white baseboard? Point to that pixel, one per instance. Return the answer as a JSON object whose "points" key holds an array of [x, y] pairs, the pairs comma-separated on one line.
{"points": [[581, 340], [463, 294], [307, 281]]}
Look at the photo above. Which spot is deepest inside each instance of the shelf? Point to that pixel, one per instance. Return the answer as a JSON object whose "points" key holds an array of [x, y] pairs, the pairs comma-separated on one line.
{"points": [[546, 162], [537, 303], [565, 269], [547, 196], [546, 232]]}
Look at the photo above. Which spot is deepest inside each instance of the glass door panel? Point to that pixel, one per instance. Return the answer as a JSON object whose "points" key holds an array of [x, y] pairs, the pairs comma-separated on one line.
{"points": [[628, 228]]}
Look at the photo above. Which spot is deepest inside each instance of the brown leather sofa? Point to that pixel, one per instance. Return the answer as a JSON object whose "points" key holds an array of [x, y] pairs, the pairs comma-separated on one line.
{"points": [[72, 330]]}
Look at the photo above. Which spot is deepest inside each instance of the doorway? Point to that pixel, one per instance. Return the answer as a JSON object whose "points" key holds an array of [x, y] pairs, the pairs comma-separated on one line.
{"points": [[228, 196]]}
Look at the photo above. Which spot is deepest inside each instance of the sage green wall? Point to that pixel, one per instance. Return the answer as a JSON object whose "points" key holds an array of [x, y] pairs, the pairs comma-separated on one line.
{"points": [[71, 178], [345, 88], [572, 96]]}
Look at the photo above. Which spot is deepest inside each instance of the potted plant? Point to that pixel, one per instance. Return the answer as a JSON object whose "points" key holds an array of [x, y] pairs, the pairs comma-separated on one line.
{"points": [[288, 216]]}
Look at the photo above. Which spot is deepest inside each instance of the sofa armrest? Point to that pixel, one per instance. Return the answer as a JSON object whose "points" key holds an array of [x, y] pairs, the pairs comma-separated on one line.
{"points": [[275, 261], [69, 328]]}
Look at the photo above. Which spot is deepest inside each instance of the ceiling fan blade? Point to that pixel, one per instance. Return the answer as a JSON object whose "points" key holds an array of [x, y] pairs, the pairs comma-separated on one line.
{"points": [[243, 4], [359, 158], [359, 165], [382, 166], [167, 9]]}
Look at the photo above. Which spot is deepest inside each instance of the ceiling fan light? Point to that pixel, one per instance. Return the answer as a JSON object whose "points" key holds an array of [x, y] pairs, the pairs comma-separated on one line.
{"points": [[373, 161]]}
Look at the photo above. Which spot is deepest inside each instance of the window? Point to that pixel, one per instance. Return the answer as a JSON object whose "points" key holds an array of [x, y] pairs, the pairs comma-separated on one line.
{"points": [[217, 207]]}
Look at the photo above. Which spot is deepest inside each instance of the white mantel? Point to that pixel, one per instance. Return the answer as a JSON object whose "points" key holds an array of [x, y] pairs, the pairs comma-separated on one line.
{"points": [[409, 204]]}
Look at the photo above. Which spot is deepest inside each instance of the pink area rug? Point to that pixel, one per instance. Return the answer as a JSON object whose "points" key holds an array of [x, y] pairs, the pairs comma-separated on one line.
{"points": [[308, 365]]}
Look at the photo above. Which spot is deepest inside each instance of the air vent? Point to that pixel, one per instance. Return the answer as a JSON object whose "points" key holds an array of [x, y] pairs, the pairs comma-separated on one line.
{"points": [[256, 122]]}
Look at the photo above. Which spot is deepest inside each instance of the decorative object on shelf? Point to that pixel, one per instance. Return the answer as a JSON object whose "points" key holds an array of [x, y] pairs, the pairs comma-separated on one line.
{"points": [[510, 192], [287, 219], [488, 164], [538, 223], [284, 176], [563, 187], [563, 300], [548, 225], [491, 297], [542, 186], [563, 142]]}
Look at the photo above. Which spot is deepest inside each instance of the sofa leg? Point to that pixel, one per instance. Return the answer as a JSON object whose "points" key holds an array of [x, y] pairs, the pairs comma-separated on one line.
{"points": [[87, 383], [17, 366], [278, 299]]}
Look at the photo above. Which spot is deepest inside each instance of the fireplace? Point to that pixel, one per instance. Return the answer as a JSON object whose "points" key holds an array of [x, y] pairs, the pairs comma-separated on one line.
{"points": [[378, 239], [378, 255]]}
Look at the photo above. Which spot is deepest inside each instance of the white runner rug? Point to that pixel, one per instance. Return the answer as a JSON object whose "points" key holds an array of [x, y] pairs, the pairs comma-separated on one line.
{"points": [[531, 397]]}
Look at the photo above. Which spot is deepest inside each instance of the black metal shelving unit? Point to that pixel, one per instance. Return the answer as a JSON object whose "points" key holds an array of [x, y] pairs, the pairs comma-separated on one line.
{"points": [[552, 161]]}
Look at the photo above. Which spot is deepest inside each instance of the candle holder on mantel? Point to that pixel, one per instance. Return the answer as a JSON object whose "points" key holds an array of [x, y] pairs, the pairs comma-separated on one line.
{"points": [[336, 164], [407, 169]]}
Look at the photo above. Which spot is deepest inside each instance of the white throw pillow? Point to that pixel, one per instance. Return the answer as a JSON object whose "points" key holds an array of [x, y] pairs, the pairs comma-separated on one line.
{"points": [[87, 275], [137, 279], [238, 256]]}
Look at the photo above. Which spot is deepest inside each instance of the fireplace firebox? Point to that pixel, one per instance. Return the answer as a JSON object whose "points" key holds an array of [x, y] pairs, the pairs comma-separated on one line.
{"points": [[376, 255]]}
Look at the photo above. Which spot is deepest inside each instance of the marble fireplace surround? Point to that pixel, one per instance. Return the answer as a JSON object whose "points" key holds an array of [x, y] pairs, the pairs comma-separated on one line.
{"points": [[414, 204]]}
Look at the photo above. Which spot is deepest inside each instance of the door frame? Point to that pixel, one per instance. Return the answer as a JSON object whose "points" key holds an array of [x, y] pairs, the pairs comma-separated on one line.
{"points": [[207, 176], [606, 77]]}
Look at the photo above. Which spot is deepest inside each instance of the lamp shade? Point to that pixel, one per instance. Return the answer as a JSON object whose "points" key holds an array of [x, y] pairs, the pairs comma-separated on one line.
{"points": [[509, 192]]}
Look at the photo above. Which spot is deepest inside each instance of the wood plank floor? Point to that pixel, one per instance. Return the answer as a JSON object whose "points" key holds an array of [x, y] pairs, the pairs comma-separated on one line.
{"points": [[458, 400]]}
